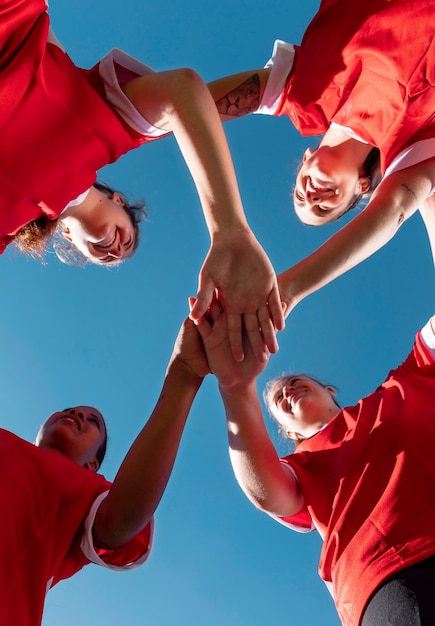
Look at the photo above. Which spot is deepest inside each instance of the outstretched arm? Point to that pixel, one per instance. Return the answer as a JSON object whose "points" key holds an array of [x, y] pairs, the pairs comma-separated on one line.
{"points": [[254, 459], [236, 264], [145, 471], [394, 201]]}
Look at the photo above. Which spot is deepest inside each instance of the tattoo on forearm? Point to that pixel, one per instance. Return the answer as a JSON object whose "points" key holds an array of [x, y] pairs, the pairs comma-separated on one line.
{"points": [[405, 186], [242, 100]]}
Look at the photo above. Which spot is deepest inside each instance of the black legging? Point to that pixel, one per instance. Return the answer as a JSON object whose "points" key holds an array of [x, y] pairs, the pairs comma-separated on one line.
{"points": [[405, 599]]}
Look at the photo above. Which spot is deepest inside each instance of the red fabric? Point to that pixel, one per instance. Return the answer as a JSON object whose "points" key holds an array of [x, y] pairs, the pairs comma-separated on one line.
{"points": [[368, 480], [45, 500], [369, 66], [56, 129]]}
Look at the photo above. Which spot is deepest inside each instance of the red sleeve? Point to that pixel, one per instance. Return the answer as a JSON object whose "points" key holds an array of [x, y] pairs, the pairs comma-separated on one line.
{"points": [[132, 553]]}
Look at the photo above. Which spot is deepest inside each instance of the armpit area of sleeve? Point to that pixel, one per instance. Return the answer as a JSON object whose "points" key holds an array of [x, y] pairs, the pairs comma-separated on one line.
{"points": [[127, 557], [300, 522]]}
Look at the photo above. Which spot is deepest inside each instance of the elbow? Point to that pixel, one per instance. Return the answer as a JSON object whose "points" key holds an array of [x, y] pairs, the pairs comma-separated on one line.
{"points": [[284, 505], [187, 79]]}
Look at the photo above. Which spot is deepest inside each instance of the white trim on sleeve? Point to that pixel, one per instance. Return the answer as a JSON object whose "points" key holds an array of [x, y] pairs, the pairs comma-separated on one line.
{"points": [[117, 97], [281, 62], [87, 544], [428, 337], [349, 132]]}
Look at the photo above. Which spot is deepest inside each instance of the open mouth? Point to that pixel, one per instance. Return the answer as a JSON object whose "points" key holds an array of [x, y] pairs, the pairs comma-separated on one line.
{"points": [[72, 419], [320, 187]]}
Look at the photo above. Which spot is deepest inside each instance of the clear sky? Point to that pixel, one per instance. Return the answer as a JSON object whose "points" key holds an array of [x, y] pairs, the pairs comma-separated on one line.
{"points": [[103, 336]]}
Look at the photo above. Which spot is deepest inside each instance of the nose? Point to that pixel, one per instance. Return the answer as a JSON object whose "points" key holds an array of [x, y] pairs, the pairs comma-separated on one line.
{"points": [[78, 413], [313, 198], [116, 251]]}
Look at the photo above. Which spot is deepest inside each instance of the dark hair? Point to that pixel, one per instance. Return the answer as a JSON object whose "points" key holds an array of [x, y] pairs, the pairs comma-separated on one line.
{"points": [[372, 171], [35, 237], [279, 382], [101, 452]]}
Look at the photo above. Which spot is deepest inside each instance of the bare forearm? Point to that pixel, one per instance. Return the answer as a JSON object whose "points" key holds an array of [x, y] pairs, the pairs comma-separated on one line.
{"points": [[254, 459], [359, 239], [240, 94], [179, 101], [143, 476]]}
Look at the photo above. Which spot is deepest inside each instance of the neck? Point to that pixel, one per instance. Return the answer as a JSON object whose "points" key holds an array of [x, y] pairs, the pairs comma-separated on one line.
{"points": [[347, 147]]}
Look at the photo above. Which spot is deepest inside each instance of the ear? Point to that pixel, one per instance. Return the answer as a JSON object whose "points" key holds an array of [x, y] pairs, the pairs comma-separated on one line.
{"points": [[116, 197], [364, 184], [92, 465], [291, 434], [308, 152], [66, 233], [331, 391]]}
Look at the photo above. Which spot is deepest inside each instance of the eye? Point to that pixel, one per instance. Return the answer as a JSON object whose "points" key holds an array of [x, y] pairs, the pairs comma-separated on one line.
{"points": [[95, 421], [278, 397]]}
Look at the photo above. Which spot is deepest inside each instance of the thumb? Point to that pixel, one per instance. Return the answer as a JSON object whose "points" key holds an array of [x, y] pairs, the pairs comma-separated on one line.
{"points": [[202, 303]]}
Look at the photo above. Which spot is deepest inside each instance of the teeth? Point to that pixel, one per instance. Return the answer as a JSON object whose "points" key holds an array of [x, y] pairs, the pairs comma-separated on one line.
{"points": [[70, 419], [319, 188]]}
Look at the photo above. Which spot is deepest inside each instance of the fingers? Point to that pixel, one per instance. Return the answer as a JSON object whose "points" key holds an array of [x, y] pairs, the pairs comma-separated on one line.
{"points": [[259, 328], [203, 301], [235, 327], [276, 310], [254, 335], [267, 329]]}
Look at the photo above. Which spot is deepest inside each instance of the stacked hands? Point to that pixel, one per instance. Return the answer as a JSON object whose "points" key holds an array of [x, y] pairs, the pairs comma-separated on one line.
{"points": [[204, 347], [237, 281]]}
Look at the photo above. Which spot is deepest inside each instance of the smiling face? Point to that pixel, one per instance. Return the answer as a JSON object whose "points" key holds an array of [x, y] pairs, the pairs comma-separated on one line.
{"points": [[301, 405], [77, 433], [326, 186], [100, 228]]}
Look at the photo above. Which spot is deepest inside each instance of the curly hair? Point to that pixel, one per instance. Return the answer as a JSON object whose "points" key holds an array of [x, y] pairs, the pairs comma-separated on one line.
{"points": [[35, 238]]}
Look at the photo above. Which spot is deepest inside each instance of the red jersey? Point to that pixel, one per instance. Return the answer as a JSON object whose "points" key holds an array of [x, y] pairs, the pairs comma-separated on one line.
{"points": [[369, 66], [45, 501], [57, 127], [366, 479]]}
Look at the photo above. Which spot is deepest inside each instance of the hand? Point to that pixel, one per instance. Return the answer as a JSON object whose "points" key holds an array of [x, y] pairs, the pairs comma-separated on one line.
{"points": [[189, 349], [240, 270], [214, 333]]}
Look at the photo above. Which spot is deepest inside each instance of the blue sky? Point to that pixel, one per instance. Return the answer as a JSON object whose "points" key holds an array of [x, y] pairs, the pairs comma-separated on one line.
{"points": [[103, 336]]}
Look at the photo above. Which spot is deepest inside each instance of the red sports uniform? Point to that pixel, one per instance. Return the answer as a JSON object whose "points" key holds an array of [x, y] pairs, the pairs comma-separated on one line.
{"points": [[368, 66], [58, 125], [367, 480], [44, 532]]}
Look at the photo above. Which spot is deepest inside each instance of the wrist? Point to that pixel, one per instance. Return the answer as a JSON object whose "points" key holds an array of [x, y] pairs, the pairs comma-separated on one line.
{"points": [[237, 387], [235, 229], [181, 371]]}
